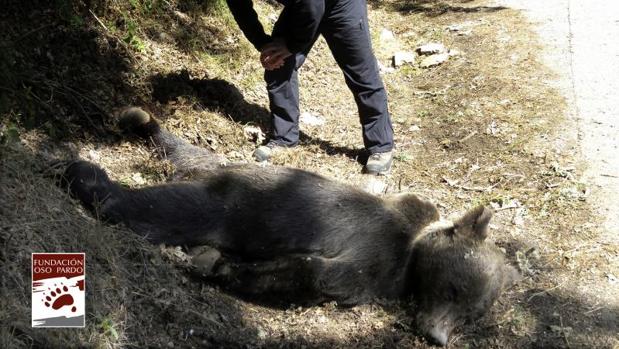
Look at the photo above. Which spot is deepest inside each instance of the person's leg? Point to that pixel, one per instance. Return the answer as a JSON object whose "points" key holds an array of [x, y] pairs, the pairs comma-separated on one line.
{"points": [[345, 28], [283, 90]]}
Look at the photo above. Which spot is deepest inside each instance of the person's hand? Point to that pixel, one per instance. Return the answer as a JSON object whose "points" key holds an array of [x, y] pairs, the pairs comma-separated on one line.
{"points": [[273, 54]]}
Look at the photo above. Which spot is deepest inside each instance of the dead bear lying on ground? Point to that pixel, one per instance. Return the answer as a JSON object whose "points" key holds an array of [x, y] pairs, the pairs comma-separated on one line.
{"points": [[290, 235]]}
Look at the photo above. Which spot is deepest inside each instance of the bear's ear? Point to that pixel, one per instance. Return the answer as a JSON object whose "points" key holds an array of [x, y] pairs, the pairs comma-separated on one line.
{"points": [[474, 224]]}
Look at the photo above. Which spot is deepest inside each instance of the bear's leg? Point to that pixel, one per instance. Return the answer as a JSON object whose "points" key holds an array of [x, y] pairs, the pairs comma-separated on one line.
{"points": [[282, 280], [176, 213], [90, 184], [185, 156]]}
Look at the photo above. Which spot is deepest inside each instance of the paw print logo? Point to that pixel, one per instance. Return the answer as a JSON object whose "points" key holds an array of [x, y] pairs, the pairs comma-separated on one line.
{"points": [[58, 298]]}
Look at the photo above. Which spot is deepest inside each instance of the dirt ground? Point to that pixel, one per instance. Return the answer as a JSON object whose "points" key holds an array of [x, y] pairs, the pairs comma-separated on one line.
{"points": [[487, 126]]}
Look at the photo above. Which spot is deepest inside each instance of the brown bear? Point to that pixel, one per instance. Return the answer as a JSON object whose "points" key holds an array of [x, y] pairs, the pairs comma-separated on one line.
{"points": [[284, 234]]}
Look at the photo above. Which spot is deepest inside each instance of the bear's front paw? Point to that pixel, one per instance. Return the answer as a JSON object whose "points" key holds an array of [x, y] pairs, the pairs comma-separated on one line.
{"points": [[204, 259]]}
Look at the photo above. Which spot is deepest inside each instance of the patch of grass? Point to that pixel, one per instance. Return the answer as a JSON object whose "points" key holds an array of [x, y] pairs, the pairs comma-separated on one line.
{"points": [[453, 118], [216, 7], [521, 321], [66, 10], [9, 133], [226, 65], [108, 327], [131, 34], [403, 157], [147, 7], [437, 35], [409, 70], [423, 114]]}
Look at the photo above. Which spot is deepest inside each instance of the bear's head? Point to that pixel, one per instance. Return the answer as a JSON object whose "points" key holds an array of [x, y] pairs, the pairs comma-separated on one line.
{"points": [[456, 274]]}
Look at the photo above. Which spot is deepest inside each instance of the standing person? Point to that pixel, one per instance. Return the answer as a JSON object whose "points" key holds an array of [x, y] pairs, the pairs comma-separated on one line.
{"points": [[344, 25]]}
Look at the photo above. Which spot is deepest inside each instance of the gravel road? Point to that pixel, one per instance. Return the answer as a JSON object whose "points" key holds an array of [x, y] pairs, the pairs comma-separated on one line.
{"points": [[582, 41]]}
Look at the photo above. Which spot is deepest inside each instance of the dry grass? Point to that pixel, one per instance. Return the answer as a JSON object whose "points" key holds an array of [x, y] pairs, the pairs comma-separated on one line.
{"points": [[485, 127]]}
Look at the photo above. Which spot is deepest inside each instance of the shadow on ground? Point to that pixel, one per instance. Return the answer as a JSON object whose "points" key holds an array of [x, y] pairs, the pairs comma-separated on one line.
{"points": [[433, 7], [57, 73], [221, 96], [558, 315], [65, 66]]}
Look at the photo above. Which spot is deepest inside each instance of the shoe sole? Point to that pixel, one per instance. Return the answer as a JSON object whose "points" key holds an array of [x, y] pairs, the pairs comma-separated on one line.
{"points": [[380, 172]]}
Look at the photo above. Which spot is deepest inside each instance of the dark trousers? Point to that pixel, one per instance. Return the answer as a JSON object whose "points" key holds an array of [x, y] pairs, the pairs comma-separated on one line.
{"points": [[345, 28]]}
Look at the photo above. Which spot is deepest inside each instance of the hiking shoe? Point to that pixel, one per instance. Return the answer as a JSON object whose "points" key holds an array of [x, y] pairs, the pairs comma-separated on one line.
{"points": [[379, 163], [265, 152]]}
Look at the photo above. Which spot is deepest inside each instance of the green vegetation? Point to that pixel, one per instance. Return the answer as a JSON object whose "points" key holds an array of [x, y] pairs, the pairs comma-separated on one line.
{"points": [[109, 328], [9, 134], [131, 35]]}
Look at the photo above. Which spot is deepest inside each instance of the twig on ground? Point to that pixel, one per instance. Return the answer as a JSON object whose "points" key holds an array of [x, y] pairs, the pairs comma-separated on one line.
{"points": [[508, 207], [514, 175], [467, 137], [166, 303], [25, 35], [123, 44], [496, 324], [593, 310], [563, 331], [455, 184], [544, 291]]}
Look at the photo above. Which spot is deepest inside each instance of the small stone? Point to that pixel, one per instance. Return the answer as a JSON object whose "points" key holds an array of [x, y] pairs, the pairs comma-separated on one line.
{"points": [[183, 17], [384, 69], [138, 179], [434, 60], [164, 37], [311, 119], [455, 27], [170, 344], [375, 186], [492, 128], [612, 279], [93, 155], [386, 35], [459, 29], [414, 128], [262, 334], [559, 330], [431, 49], [403, 57], [518, 218]]}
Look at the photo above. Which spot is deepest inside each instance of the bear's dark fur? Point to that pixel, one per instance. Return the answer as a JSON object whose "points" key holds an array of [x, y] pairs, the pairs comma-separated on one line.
{"points": [[289, 235]]}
